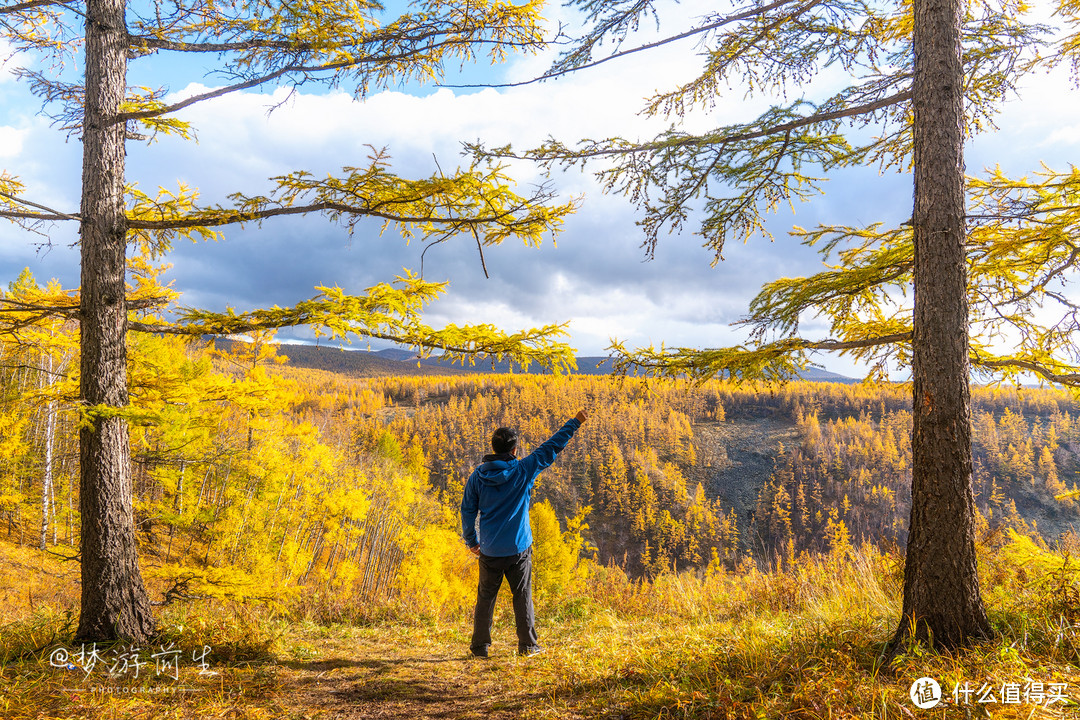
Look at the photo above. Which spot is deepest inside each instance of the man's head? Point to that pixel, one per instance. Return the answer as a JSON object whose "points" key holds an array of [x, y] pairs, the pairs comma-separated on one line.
{"points": [[504, 440]]}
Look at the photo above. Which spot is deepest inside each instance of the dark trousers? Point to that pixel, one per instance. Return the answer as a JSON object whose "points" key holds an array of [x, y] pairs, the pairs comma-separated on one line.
{"points": [[517, 569]]}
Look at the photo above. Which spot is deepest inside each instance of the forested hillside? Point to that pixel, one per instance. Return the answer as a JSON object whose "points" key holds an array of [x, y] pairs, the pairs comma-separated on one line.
{"points": [[662, 471], [253, 476]]}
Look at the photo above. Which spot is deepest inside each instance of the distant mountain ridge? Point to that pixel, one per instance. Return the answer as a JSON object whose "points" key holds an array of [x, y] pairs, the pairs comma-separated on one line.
{"points": [[397, 361]]}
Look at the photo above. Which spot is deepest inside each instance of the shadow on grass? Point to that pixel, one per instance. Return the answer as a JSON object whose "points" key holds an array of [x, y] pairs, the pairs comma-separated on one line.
{"points": [[403, 687], [373, 663]]}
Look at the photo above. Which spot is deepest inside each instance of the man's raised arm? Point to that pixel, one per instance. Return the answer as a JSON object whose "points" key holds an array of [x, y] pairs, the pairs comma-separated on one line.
{"points": [[544, 455]]}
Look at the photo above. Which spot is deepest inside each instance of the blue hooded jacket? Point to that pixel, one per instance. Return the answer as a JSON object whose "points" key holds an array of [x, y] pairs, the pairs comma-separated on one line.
{"points": [[499, 490]]}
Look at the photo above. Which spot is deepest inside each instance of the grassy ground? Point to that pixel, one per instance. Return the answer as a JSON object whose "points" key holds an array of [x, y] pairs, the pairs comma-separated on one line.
{"points": [[799, 643]]}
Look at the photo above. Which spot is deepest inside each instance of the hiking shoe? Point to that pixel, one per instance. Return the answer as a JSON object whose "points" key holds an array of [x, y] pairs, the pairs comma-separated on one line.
{"points": [[480, 652], [530, 650]]}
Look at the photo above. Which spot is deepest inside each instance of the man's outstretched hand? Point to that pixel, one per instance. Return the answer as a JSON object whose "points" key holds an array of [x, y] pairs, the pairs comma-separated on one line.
{"points": [[581, 416]]}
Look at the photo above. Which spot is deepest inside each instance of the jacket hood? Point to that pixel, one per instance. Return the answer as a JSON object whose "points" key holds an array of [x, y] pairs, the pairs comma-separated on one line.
{"points": [[495, 469]]}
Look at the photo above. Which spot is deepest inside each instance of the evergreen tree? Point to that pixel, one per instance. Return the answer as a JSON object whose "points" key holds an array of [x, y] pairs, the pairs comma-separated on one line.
{"points": [[258, 44], [927, 75]]}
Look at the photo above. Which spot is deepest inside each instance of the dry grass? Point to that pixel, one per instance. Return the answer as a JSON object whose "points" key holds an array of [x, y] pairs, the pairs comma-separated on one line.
{"points": [[800, 643]]}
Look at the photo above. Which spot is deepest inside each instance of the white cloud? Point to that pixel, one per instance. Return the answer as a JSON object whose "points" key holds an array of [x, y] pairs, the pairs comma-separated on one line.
{"points": [[1069, 135], [11, 141], [596, 277], [1032, 127]]}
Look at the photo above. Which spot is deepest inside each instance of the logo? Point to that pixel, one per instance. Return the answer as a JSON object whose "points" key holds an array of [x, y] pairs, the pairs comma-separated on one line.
{"points": [[925, 693]]}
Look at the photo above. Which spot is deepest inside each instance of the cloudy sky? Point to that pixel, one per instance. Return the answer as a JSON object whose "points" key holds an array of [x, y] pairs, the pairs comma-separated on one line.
{"points": [[596, 277]]}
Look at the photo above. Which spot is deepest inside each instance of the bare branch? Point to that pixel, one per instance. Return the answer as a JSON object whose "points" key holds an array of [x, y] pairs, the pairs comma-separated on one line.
{"points": [[32, 5], [480, 248], [32, 368], [53, 214], [744, 15], [124, 117]]}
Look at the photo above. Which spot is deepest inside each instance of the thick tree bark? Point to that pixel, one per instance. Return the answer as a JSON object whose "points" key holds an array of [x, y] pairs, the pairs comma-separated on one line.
{"points": [[942, 601], [114, 600]]}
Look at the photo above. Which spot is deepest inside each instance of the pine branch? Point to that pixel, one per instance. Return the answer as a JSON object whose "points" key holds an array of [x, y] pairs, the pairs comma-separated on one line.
{"points": [[744, 15], [480, 198], [778, 360], [230, 217], [702, 364], [9, 305], [147, 42], [721, 139], [529, 346], [375, 58], [1072, 379], [19, 215], [854, 344], [18, 316]]}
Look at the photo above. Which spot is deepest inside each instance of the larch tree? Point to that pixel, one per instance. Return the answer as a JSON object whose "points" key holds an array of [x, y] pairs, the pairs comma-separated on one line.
{"points": [[254, 44], [924, 76]]}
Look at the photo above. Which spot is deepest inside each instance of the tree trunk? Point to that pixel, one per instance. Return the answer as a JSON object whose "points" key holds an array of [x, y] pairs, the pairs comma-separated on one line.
{"points": [[47, 474], [46, 359], [942, 602], [114, 600]]}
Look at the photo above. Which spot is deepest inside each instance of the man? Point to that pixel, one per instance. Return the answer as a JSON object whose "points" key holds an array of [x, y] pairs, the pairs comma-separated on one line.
{"points": [[498, 493]]}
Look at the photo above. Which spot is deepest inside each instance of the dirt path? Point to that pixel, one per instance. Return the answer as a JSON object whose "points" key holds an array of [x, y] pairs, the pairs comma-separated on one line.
{"points": [[374, 677]]}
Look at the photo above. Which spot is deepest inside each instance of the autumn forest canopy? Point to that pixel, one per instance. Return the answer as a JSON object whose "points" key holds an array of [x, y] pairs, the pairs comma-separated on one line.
{"points": [[253, 479]]}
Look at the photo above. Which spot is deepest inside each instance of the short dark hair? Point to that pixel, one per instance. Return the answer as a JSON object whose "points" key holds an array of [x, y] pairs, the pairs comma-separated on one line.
{"points": [[504, 440]]}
